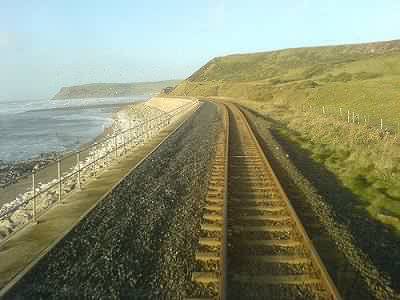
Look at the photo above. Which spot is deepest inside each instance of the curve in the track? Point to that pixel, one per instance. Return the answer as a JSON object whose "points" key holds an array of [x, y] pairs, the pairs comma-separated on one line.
{"points": [[253, 245]]}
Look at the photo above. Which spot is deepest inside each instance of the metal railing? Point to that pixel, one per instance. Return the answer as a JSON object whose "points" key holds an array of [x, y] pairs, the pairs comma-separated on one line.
{"points": [[73, 170]]}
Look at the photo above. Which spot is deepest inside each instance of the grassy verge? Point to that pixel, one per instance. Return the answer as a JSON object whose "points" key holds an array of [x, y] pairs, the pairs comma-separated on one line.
{"points": [[365, 160]]}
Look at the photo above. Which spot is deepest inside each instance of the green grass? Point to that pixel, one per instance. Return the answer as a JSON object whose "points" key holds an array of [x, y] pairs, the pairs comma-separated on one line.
{"points": [[362, 78], [365, 160]]}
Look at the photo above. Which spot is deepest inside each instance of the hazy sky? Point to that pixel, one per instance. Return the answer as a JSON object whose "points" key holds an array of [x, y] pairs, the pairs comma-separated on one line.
{"points": [[48, 44]]}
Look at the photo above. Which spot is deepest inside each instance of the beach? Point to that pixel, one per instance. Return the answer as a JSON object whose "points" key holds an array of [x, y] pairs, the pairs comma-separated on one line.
{"points": [[93, 158], [93, 118]]}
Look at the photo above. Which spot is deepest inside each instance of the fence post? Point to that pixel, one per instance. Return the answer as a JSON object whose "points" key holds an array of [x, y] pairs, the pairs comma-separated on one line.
{"points": [[135, 137], [115, 145], [79, 168], [130, 132], [59, 179], [34, 212], [381, 124], [146, 130], [348, 116], [124, 142], [323, 109], [353, 116], [340, 112], [95, 158]]}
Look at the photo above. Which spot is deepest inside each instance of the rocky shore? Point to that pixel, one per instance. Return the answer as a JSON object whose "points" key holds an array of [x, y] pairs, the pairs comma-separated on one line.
{"points": [[18, 211], [11, 172]]}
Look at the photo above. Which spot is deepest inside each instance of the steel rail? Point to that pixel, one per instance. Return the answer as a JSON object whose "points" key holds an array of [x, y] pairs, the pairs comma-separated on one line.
{"points": [[269, 182], [223, 262], [317, 261]]}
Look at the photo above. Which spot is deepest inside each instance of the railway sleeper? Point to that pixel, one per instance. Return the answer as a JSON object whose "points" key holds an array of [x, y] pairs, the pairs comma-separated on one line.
{"points": [[213, 217], [276, 280], [271, 223], [211, 227], [286, 218], [259, 209], [237, 212], [257, 268], [214, 199], [210, 242], [262, 235], [208, 256], [256, 202], [216, 181], [218, 194], [244, 187], [280, 250], [214, 208], [247, 180], [261, 228], [280, 291], [254, 194], [215, 188], [247, 171]]}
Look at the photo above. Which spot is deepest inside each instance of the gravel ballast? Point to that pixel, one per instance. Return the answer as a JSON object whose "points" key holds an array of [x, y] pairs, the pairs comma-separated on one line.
{"points": [[345, 241], [139, 242]]}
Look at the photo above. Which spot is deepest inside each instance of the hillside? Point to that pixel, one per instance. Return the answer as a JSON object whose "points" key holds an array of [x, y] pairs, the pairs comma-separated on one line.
{"points": [[356, 77], [102, 90], [306, 93]]}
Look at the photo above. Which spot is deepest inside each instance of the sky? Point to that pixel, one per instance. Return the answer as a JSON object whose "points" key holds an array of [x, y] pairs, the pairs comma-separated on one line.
{"points": [[45, 44]]}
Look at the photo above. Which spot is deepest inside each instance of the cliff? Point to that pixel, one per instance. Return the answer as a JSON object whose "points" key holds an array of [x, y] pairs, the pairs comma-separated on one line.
{"points": [[102, 90]]}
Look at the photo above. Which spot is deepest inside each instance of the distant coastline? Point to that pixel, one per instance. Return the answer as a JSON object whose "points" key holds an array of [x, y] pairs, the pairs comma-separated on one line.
{"points": [[103, 90]]}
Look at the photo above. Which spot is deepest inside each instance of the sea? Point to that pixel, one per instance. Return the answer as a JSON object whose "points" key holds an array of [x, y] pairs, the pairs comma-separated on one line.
{"points": [[29, 128]]}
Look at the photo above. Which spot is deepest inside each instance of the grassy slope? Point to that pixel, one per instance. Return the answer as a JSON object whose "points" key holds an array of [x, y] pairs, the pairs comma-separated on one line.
{"points": [[364, 78], [113, 89]]}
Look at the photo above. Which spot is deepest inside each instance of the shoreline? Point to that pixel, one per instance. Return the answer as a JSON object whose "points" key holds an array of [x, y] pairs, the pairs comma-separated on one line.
{"points": [[17, 206], [15, 176]]}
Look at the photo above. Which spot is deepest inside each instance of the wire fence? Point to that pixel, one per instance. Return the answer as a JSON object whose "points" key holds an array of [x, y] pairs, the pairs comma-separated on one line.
{"points": [[51, 184], [352, 116]]}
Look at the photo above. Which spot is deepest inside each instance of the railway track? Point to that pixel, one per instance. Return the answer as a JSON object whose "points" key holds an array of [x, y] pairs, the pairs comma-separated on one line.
{"points": [[252, 244]]}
